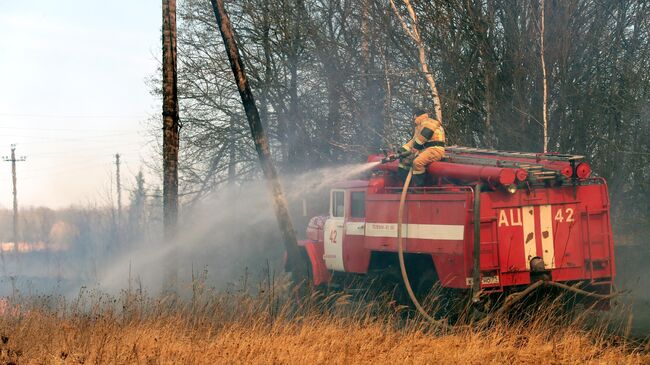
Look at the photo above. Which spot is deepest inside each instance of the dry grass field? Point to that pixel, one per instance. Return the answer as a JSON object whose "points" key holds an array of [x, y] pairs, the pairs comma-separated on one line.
{"points": [[263, 329]]}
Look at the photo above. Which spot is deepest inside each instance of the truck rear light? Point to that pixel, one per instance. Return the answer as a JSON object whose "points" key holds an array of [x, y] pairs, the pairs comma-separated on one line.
{"points": [[521, 174], [583, 170], [567, 171], [512, 188], [506, 177]]}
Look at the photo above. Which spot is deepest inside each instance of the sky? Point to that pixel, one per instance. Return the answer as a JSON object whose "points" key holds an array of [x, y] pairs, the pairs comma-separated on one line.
{"points": [[73, 93]]}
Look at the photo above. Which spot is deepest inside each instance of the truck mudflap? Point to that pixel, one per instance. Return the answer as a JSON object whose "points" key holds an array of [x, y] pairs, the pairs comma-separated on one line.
{"points": [[315, 251]]}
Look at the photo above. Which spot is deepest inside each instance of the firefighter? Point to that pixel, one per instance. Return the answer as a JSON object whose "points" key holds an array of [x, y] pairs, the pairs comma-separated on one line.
{"points": [[426, 146]]}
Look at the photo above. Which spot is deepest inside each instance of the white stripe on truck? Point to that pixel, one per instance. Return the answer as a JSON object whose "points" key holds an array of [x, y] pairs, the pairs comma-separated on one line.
{"points": [[449, 232], [548, 251], [530, 247], [355, 228]]}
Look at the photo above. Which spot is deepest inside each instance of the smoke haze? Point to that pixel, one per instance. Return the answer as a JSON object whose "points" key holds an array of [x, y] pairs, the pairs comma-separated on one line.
{"points": [[230, 238]]}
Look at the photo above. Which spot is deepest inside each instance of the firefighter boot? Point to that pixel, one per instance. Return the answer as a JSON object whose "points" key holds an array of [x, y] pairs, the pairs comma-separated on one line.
{"points": [[402, 173], [418, 180]]}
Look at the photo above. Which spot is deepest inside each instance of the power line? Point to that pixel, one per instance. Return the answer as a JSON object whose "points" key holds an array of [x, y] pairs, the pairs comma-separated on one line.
{"points": [[79, 164], [74, 170], [91, 146], [89, 154], [85, 133], [78, 158], [80, 143], [89, 116], [38, 135], [70, 129]]}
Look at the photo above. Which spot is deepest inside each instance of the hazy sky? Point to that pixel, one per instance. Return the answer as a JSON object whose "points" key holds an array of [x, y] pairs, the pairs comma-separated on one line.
{"points": [[73, 93]]}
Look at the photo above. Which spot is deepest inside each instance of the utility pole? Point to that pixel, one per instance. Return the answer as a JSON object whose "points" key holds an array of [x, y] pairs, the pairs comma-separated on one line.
{"points": [[171, 128], [171, 125], [119, 190], [13, 161]]}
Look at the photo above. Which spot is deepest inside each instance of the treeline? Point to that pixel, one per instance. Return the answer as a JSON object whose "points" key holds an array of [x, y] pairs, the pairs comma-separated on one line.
{"points": [[96, 246], [75, 244], [95, 224], [336, 79]]}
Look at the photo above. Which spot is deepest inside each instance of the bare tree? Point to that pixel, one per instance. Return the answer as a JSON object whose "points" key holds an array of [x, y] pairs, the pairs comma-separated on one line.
{"points": [[544, 81], [316, 66], [294, 259], [414, 33], [170, 119]]}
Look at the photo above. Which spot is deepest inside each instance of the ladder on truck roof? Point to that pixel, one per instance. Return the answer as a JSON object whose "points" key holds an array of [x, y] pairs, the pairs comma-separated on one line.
{"points": [[531, 162], [528, 155]]}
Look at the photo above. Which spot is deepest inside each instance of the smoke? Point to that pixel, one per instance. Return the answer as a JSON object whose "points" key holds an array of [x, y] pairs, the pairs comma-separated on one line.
{"points": [[633, 277], [230, 239], [232, 235], [320, 179]]}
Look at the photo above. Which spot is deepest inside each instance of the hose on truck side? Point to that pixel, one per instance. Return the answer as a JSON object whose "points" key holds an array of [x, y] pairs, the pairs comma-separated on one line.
{"points": [[400, 254]]}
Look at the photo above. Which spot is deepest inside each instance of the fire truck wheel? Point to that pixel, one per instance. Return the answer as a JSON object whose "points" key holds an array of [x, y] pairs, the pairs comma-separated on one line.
{"points": [[424, 283], [388, 283], [441, 302], [476, 312]]}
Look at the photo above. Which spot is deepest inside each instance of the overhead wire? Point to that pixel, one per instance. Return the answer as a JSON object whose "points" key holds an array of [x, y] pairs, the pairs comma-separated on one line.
{"points": [[45, 133], [73, 116], [85, 155], [77, 166], [58, 171], [58, 150], [82, 130], [67, 135], [77, 160]]}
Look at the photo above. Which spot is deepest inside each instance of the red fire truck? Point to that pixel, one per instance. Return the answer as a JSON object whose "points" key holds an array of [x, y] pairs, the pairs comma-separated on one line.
{"points": [[531, 216]]}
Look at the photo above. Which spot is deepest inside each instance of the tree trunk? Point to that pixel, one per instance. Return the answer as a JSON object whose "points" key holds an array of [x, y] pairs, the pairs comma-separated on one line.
{"points": [[414, 33], [294, 261], [232, 167], [295, 159], [334, 89], [366, 108], [372, 105], [170, 120], [480, 24], [541, 55]]}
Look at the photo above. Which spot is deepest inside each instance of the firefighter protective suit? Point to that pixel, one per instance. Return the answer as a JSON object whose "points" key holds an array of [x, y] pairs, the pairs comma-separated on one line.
{"points": [[427, 144]]}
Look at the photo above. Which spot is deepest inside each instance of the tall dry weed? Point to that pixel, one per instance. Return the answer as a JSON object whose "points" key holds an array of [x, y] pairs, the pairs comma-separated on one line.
{"points": [[276, 325]]}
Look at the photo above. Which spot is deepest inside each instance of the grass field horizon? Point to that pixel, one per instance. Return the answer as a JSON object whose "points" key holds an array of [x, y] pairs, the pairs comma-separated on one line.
{"points": [[274, 325]]}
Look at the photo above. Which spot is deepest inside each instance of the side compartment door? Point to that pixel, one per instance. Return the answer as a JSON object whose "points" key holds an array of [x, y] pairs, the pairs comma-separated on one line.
{"points": [[333, 231]]}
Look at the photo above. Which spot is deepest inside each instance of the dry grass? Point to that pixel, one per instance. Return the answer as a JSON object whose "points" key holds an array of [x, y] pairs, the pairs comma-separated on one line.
{"points": [[264, 329]]}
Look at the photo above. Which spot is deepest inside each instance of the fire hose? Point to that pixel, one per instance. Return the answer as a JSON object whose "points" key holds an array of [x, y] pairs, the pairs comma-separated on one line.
{"points": [[510, 301], [400, 254]]}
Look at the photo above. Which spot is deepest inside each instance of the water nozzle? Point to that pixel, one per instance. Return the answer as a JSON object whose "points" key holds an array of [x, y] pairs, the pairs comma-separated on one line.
{"points": [[392, 156]]}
